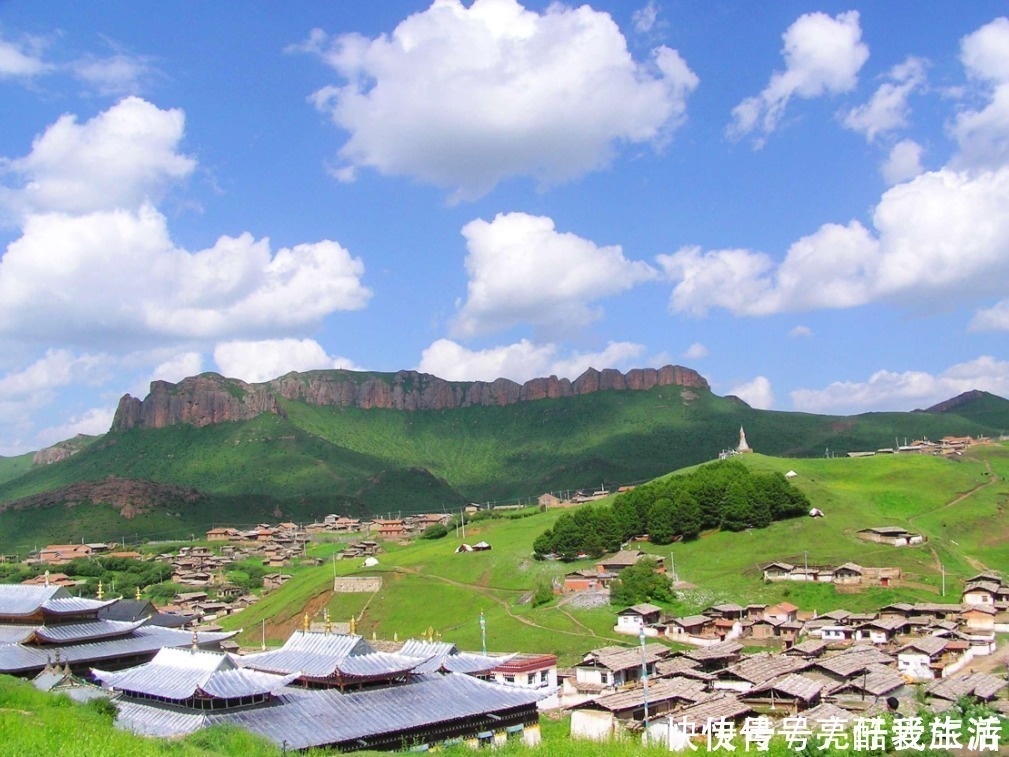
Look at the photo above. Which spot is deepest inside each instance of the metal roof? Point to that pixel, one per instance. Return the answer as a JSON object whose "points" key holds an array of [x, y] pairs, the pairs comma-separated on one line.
{"points": [[19, 658], [318, 655], [68, 633], [181, 674], [300, 719], [19, 599], [15, 634]]}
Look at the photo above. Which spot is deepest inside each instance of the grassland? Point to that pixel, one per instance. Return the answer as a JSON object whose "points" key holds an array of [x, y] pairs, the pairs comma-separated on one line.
{"points": [[958, 504], [319, 460]]}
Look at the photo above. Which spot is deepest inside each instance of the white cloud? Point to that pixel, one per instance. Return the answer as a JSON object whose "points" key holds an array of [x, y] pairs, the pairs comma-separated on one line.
{"points": [[696, 351], [800, 331], [823, 55], [903, 163], [995, 318], [91, 232], [756, 393], [522, 270], [113, 76], [121, 158], [888, 390], [57, 368], [180, 366], [983, 135], [521, 361], [644, 18], [944, 234], [95, 421], [888, 109], [506, 92], [22, 60], [267, 359]]}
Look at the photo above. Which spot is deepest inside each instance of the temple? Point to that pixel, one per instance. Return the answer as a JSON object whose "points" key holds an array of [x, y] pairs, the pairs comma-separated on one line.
{"points": [[326, 690], [40, 625]]}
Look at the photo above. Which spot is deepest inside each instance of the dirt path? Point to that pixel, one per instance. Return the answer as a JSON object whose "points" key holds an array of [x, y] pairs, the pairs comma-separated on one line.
{"points": [[973, 562], [504, 604]]}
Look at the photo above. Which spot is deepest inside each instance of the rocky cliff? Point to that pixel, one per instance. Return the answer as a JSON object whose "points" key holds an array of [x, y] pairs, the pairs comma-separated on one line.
{"points": [[210, 398]]}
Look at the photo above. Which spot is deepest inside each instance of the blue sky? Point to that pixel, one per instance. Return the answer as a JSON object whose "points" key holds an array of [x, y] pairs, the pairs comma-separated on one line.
{"points": [[807, 203]]}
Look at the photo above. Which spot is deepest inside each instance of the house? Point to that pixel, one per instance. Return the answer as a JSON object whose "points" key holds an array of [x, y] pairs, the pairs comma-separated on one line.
{"points": [[223, 534], [600, 719], [531, 670], [61, 554], [848, 574], [691, 723], [610, 667], [756, 670], [981, 590], [586, 580], [895, 536], [546, 501], [716, 656], [978, 686], [932, 657], [880, 630], [792, 691], [634, 619], [51, 579], [875, 681], [626, 558], [690, 628], [777, 571], [783, 611], [388, 529]]}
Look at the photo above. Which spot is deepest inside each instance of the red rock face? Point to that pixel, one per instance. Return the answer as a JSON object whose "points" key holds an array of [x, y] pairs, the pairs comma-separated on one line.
{"points": [[209, 398]]}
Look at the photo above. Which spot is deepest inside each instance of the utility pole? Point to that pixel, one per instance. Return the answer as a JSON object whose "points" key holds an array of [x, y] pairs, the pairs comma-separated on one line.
{"points": [[943, 566], [644, 678], [483, 633]]}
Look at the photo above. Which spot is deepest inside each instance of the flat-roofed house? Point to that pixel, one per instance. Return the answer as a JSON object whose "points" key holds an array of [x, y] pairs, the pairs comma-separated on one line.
{"points": [[895, 536], [61, 554]]}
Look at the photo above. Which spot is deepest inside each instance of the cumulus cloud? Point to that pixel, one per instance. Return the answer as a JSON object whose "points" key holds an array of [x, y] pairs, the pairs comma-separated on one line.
{"points": [[696, 351], [903, 163], [521, 361], [756, 393], [95, 421], [90, 228], [506, 92], [890, 390], [114, 75], [823, 55], [522, 270], [943, 234], [800, 331], [22, 61], [178, 367], [983, 135], [888, 109], [121, 158], [644, 18], [267, 359]]}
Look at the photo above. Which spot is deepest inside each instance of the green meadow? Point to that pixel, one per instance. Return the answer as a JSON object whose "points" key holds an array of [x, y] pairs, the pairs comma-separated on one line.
{"points": [[428, 588]]}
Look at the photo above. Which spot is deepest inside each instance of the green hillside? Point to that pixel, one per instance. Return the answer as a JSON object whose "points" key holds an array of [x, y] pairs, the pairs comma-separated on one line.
{"points": [[958, 504], [326, 459]]}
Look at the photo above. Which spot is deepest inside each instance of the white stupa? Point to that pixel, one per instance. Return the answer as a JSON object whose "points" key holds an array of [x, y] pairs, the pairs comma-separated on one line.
{"points": [[743, 446]]}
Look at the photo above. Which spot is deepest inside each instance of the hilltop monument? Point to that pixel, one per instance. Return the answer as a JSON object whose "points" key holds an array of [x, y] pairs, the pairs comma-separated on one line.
{"points": [[743, 447]]}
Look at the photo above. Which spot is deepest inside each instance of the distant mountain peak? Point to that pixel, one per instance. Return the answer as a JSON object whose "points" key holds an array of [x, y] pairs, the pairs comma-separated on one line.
{"points": [[953, 402]]}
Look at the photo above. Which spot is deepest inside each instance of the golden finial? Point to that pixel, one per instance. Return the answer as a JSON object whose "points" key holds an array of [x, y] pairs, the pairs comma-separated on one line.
{"points": [[196, 641], [138, 593], [329, 625], [353, 625], [47, 579], [100, 592], [395, 635], [374, 635], [305, 623], [430, 633]]}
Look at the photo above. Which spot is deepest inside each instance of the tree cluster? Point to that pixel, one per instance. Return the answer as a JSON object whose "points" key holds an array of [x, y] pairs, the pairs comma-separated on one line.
{"points": [[725, 495], [641, 583]]}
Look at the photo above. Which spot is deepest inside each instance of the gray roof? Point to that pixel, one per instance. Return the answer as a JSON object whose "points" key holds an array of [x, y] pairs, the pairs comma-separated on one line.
{"points": [[792, 685], [930, 645], [853, 660], [19, 599], [181, 674], [69, 633], [623, 658], [877, 680], [659, 690], [760, 668], [715, 707], [981, 685], [715, 651], [644, 608], [22, 658], [314, 654], [827, 711], [301, 719]]}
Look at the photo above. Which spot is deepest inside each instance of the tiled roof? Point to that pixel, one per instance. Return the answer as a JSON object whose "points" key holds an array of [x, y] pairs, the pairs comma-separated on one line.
{"points": [[981, 685], [793, 685], [660, 690]]}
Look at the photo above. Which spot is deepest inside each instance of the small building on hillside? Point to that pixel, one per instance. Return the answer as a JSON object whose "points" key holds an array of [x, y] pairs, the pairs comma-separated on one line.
{"points": [[625, 558], [548, 500], [632, 620], [895, 536], [61, 554]]}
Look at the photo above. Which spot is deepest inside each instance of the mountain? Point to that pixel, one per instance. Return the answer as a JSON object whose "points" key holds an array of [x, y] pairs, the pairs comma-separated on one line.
{"points": [[977, 405], [305, 445]]}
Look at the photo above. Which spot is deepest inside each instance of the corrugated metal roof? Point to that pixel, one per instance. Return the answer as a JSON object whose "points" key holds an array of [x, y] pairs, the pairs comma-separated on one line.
{"points": [[304, 718], [18, 658], [74, 605], [426, 649], [90, 631], [377, 664], [15, 634], [318, 655], [180, 674], [18, 599]]}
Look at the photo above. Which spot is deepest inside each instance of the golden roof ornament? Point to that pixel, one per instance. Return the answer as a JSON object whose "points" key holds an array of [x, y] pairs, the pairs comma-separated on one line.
{"points": [[305, 623], [100, 592]]}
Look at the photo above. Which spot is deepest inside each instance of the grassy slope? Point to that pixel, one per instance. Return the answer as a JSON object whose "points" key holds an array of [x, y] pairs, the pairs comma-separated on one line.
{"points": [[427, 585], [322, 460], [12, 467]]}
